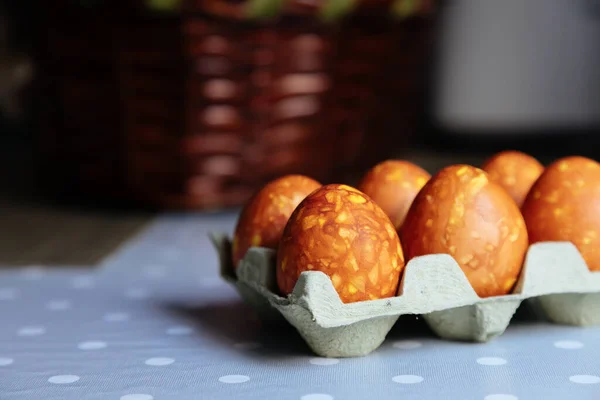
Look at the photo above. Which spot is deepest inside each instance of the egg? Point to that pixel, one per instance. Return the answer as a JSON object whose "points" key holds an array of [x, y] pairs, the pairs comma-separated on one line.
{"points": [[564, 205], [341, 232], [515, 171], [393, 185], [461, 212], [265, 215]]}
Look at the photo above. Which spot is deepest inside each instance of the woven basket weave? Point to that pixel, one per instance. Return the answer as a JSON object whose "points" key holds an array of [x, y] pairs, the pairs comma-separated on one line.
{"points": [[198, 108]]}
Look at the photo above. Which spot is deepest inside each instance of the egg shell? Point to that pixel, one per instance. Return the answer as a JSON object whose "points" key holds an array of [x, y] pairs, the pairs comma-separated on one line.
{"points": [[515, 171], [263, 218], [462, 213], [564, 205], [393, 185], [341, 232]]}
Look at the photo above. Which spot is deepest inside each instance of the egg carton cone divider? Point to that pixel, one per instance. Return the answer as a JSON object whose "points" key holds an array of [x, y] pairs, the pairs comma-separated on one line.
{"points": [[433, 286]]}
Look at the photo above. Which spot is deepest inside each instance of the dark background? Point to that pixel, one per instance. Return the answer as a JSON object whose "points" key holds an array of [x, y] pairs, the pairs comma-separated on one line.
{"points": [[42, 227]]}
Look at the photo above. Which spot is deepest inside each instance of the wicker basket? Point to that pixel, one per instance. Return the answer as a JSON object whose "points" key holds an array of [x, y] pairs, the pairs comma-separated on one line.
{"points": [[199, 108]]}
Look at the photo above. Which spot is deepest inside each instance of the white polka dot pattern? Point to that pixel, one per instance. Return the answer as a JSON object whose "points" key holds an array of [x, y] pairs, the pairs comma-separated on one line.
{"points": [[116, 317], [31, 331], [500, 397], [180, 330], [568, 344], [234, 379], [5, 361], [491, 361], [91, 345], [316, 396], [407, 344], [157, 321], [324, 361], [408, 379], [63, 379], [58, 305], [159, 361], [585, 379], [136, 396]]}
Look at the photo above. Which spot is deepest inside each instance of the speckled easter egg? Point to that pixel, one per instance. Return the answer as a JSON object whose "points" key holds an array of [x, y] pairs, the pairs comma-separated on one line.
{"points": [[515, 171], [393, 185], [462, 213], [341, 232], [564, 205], [264, 217]]}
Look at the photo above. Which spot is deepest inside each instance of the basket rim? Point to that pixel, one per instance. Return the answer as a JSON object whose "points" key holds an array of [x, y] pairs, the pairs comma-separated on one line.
{"points": [[327, 10], [260, 10]]}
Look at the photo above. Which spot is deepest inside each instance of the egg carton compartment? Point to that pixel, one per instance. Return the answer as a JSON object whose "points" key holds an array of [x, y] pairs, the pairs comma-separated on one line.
{"points": [[434, 286]]}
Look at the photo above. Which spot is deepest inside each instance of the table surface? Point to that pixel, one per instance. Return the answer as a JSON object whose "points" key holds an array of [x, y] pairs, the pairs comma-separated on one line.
{"points": [[155, 321]]}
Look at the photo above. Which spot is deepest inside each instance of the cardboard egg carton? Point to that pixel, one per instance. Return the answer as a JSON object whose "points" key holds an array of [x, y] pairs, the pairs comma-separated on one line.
{"points": [[434, 286]]}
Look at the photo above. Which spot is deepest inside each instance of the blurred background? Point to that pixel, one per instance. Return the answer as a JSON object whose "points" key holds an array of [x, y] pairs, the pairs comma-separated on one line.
{"points": [[114, 111]]}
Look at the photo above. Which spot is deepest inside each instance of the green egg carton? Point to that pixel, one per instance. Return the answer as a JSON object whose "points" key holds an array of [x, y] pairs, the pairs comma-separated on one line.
{"points": [[434, 286]]}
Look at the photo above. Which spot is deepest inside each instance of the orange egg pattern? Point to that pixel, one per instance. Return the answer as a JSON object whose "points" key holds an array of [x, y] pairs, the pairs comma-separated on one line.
{"points": [[564, 205], [264, 217], [340, 231], [515, 171], [393, 185], [462, 213]]}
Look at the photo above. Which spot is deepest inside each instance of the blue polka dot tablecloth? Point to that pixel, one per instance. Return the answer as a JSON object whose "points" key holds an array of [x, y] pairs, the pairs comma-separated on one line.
{"points": [[155, 321]]}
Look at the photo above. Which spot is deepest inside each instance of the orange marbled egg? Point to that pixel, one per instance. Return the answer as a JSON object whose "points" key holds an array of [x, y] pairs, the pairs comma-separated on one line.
{"points": [[564, 205], [263, 218], [393, 185], [340, 231], [515, 171], [462, 213]]}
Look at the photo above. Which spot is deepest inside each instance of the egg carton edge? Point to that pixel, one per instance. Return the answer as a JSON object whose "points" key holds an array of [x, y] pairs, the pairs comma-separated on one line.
{"points": [[433, 286]]}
